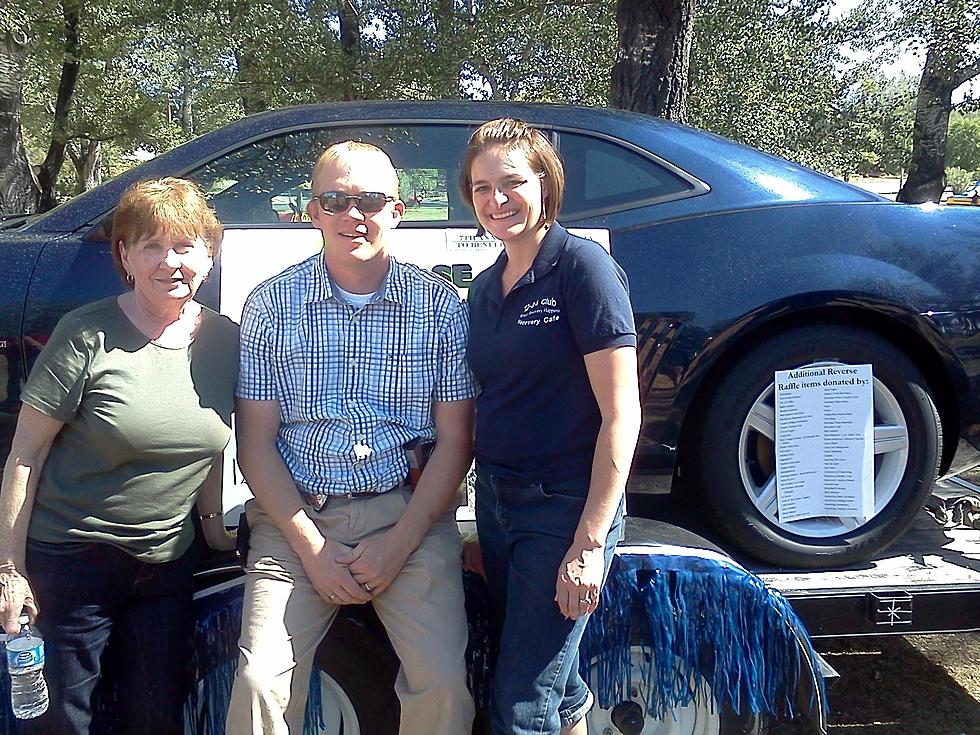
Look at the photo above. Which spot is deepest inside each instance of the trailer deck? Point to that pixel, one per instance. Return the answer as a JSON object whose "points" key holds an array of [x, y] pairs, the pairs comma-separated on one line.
{"points": [[927, 582]]}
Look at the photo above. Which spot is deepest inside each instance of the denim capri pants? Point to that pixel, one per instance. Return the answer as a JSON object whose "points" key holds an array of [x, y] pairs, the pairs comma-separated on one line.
{"points": [[525, 530]]}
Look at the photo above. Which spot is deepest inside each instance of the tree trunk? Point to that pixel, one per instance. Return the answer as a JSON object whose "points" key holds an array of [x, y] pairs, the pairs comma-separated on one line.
{"points": [[18, 189], [927, 169], [350, 34], [950, 63], [449, 34], [86, 155], [251, 89], [47, 175], [651, 73], [186, 93]]}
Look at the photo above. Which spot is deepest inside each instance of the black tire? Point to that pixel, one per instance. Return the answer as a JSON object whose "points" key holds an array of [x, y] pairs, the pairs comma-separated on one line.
{"points": [[357, 656], [719, 458]]}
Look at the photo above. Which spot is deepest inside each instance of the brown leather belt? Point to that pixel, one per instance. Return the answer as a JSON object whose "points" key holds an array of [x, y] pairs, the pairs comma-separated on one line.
{"points": [[366, 493]]}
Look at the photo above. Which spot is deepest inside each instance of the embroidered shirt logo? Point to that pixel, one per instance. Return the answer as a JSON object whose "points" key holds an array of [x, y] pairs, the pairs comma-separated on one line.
{"points": [[539, 311]]}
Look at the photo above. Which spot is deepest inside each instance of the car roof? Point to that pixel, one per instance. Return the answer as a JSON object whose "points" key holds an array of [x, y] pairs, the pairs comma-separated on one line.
{"points": [[741, 176]]}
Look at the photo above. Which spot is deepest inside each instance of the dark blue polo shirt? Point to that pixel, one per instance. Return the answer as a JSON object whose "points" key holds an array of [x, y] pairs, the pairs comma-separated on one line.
{"points": [[536, 416]]}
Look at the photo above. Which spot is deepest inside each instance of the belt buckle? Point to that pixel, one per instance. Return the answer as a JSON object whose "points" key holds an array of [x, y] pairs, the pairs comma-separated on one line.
{"points": [[361, 494], [372, 493]]}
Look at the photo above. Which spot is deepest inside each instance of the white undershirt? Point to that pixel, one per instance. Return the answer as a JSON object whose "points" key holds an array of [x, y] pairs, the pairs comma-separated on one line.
{"points": [[357, 300]]}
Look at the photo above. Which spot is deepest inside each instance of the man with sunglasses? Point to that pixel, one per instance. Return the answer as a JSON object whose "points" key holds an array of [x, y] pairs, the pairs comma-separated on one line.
{"points": [[348, 357]]}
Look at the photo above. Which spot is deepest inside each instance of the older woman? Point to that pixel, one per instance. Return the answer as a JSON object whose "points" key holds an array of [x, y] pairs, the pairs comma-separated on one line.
{"points": [[553, 348], [125, 415]]}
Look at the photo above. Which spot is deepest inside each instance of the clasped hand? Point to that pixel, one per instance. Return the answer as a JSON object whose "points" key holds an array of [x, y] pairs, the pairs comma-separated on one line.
{"points": [[376, 561], [579, 581], [345, 575]]}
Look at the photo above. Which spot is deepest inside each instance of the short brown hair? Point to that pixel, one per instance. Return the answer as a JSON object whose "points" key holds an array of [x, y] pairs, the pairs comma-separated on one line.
{"points": [[172, 206], [340, 152], [541, 156]]}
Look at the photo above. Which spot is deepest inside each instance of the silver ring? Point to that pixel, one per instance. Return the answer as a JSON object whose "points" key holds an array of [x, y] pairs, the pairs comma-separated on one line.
{"points": [[332, 596], [366, 586], [584, 600]]}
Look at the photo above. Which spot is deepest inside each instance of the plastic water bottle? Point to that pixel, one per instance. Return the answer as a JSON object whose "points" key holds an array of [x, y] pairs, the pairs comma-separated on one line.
{"points": [[25, 662]]}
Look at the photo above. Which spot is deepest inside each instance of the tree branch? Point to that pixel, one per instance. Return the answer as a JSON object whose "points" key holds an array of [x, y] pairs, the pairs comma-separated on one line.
{"points": [[532, 37], [74, 155], [965, 74], [481, 66], [93, 138]]}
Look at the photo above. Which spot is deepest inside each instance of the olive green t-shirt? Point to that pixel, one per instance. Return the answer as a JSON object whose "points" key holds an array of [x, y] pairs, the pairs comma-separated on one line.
{"points": [[142, 424]]}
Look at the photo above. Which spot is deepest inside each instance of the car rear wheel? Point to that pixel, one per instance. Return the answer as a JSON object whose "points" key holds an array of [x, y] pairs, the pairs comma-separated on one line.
{"points": [[736, 460]]}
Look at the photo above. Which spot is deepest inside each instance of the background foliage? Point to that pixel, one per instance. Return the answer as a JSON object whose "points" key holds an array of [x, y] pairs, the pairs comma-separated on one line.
{"points": [[781, 75]]}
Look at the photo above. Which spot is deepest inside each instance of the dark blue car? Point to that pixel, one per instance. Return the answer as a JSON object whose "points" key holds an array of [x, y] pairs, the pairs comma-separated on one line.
{"points": [[740, 264]]}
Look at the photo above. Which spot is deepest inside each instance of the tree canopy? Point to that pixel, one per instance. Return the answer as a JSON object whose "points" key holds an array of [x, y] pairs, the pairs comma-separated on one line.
{"points": [[105, 81]]}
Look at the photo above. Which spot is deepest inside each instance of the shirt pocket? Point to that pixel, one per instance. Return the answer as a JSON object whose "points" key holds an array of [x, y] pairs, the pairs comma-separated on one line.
{"points": [[402, 386], [312, 372]]}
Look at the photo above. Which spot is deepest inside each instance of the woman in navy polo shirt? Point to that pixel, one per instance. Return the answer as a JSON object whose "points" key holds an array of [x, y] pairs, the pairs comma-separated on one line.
{"points": [[553, 347]]}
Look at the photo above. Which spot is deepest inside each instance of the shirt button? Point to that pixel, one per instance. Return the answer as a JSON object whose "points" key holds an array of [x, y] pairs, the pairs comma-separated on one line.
{"points": [[353, 362]]}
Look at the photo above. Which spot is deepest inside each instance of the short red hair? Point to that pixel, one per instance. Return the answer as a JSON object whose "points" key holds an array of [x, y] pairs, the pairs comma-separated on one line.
{"points": [[171, 206]]}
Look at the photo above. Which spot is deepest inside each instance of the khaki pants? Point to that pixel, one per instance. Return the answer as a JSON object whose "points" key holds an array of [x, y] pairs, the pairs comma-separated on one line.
{"points": [[285, 619]]}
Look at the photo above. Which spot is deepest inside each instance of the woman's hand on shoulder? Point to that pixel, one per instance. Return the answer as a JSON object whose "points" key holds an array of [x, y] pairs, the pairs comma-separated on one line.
{"points": [[16, 597]]}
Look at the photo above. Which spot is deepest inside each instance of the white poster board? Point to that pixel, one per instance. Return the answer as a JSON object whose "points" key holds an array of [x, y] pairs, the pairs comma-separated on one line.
{"points": [[250, 256], [825, 442]]}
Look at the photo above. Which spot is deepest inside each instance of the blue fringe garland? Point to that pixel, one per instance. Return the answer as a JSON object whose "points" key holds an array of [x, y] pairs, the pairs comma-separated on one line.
{"points": [[712, 631], [216, 631], [218, 622]]}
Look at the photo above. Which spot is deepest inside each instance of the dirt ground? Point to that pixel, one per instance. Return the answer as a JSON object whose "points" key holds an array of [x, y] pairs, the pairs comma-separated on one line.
{"points": [[914, 685]]}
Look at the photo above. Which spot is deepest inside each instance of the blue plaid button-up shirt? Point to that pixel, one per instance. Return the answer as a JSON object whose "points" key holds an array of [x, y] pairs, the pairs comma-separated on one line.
{"points": [[347, 377]]}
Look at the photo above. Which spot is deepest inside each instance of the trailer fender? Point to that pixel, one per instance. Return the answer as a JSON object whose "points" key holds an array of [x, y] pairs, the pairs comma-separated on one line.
{"points": [[713, 630]]}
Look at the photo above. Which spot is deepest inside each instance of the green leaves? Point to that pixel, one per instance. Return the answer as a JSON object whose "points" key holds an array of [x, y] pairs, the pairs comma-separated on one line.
{"points": [[963, 143], [767, 74], [776, 74]]}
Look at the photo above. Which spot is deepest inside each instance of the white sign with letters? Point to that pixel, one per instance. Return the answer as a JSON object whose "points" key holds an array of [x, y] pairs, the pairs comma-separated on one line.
{"points": [[825, 442], [251, 255]]}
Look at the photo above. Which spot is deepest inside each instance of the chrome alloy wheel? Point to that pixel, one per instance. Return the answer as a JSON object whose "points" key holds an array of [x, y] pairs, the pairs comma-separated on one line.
{"points": [[757, 459]]}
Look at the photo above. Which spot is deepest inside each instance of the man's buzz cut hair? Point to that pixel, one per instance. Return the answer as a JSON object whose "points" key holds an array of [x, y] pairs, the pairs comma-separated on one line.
{"points": [[341, 153]]}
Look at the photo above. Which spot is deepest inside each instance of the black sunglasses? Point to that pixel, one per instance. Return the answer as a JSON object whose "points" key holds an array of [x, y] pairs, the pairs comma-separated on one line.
{"points": [[368, 202]]}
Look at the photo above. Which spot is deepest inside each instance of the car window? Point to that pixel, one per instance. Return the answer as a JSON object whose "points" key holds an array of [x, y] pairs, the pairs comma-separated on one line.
{"points": [[601, 175], [268, 181]]}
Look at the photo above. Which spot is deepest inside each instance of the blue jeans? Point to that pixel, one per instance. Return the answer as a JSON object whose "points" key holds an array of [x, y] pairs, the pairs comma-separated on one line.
{"points": [[104, 610], [525, 531]]}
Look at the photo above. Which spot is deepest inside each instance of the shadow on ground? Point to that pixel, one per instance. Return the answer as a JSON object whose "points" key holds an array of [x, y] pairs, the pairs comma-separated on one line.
{"points": [[925, 685]]}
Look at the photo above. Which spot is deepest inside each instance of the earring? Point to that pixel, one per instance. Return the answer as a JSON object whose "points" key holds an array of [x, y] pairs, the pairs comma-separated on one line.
{"points": [[130, 279]]}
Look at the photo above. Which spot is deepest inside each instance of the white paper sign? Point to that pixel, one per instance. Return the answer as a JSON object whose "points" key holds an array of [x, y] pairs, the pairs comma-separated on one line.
{"points": [[825, 442], [249, 256]]}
